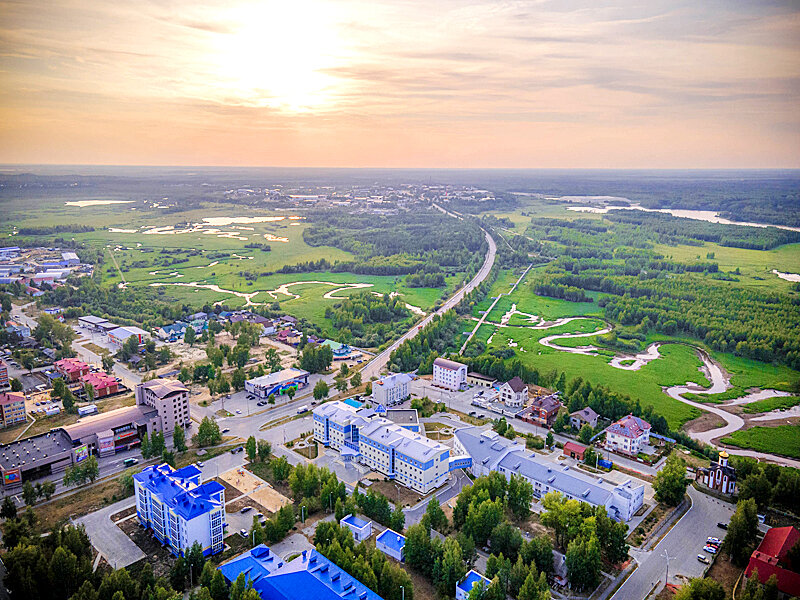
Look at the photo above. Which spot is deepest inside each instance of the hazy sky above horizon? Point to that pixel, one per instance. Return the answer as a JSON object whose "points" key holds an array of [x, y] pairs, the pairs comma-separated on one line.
{"points": [[396, 83]]}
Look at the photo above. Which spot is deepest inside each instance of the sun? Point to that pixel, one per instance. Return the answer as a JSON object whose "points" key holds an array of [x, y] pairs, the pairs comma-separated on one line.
{"points": [[279, 54]]}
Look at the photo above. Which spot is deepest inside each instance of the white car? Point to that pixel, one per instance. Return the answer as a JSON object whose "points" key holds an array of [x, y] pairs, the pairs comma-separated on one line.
{"points": [[710, 549], [713, 540]]}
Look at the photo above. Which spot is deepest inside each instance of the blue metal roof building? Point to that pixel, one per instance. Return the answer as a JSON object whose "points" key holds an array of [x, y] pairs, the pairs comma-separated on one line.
{"points": [[310, 575], [392, 544], [464, 587]]}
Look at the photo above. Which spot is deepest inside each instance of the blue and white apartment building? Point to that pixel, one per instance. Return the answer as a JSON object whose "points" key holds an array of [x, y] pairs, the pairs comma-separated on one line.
{"points": [[409, 458], [179, 509]]}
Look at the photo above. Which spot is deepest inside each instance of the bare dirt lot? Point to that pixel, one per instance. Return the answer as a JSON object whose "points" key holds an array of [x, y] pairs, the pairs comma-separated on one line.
{"points": [[260, 492]]}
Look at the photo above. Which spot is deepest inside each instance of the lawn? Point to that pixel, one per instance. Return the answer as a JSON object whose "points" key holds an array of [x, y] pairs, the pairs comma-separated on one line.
{"points": [[783, 440], [770, 404], [547, 308]]}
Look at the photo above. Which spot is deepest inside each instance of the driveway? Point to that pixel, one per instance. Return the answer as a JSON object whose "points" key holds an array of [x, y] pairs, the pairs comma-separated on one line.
{"points": [[682, 545], [110, 541]]}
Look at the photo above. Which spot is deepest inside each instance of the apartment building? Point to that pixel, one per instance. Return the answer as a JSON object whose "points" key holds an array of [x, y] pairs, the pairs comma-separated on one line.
{"points": [[12, 409], [170, 398], [392, 389], [4, 380], [71, 369], [179, 509], [449, 373]]}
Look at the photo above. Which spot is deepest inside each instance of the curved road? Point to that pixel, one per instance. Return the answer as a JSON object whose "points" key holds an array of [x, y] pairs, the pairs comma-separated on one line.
{"points": [[375, 366]]}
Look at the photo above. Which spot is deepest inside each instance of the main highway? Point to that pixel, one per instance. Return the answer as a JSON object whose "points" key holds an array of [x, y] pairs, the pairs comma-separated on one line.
{"points": [[375, 366]]}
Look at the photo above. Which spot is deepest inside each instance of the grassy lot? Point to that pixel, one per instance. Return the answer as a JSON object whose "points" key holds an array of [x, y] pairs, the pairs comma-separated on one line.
{"points": [[783, 440], [770, 404]]}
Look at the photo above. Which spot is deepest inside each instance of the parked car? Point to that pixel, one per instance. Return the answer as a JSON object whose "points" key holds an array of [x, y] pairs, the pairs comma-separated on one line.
{"points": [[243, 533], [703, 559], [722, 525], [246, 509], [226, 430], [238, 412], [199, 464], [714, 541], [710, 549]]}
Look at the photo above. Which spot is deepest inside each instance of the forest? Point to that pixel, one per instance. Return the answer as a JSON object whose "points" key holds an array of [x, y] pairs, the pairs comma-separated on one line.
{"points": [[367, 320]]}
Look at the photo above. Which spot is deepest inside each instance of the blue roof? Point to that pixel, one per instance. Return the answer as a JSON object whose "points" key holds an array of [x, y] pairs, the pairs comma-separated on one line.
{"points": [[390, 538], [355, 521], [471, 579], [181, 490], [310, 575]]}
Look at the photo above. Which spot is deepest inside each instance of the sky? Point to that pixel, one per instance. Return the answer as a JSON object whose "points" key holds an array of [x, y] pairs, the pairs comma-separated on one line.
{"points": [[401, 83]]}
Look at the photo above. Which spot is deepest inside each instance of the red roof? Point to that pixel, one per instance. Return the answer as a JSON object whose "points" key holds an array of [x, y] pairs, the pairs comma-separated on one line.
{"points": [[573, 447], [11, 397], [99, 380], [768, 557]]}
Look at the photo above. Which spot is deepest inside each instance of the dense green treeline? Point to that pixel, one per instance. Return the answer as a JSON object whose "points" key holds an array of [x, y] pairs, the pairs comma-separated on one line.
{"points": [[365, 319]]}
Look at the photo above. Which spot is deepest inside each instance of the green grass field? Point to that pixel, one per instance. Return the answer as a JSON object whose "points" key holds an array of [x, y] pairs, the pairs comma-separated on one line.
{"points": [[783, 440], [770, 404]]}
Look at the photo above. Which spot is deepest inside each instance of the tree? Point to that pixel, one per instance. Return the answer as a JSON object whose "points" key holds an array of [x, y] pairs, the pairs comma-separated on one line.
{"points": [[179, 439], [271, 399], [612, 536], [264, 449], [398, 520], [341, 384], [321, 390], [195, 561], [583, 563], [208, 433], [437, 518], [355, 380], [218, 587], [8, 510], [549, 439], [16, 385], [586, 433], [157, 444], [29, 493], [670, 482], [590, 456], [189, 337], [251, 448], [368, 389], [108, 363], [740, 539], [507, 540], [257, 532], [180, 570], [237, 379], [520, 496], [534, 588], [146, 454], [281, 468], [167, 456], [701, 589], [46, 489]]}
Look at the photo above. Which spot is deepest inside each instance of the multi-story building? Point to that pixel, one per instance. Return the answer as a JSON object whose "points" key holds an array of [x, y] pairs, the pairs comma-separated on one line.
{"points": [[309, 575], [407, 457], [179, 509], [392, 389], [170, 398], [12, 409], [584, 416], [629, 435], [719, 475], [4, 380], [71, 369], [542, 411], [492, 452], [514, 393], [102, 384], [449, 373], [773, 558]]}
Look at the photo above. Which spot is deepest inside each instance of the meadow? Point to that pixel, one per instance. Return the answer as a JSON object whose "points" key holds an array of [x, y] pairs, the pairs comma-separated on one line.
{"points": [[783, 440]]}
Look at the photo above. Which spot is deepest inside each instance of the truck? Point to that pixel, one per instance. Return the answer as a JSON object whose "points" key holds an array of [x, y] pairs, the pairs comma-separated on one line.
{"points": [[302, 409], [89, 409]]}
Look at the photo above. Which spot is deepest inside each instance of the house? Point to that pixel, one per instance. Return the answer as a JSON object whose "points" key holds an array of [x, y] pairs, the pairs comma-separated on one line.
{"points": [[71, 369], [120, 335], [629, 435], [392, 544], [310, 575], [360, 528], [492, 452], [573, 450], [479, 380], [102, 384], [543, 410], [179, 509], [449, 373], [17, 328], [471, 579], [719, 475], [770, 558], [198, 316], [584, 416], [12, 409], [289, 319], [514, 393], [392, 389]]}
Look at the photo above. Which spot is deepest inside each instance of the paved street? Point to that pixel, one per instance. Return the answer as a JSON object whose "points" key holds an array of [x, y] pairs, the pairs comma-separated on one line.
{"points": [[682, 544], [109, 540], [457, 482]]}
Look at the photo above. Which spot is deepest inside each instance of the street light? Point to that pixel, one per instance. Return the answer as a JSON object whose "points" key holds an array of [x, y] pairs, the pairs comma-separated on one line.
{"points": [[668, 558], [303, 514], [402, 589]]}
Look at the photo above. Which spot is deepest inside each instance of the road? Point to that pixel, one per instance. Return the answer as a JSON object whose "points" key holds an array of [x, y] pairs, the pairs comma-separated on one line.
{"points": [[453, 488], [376, 365], [682, 544]]}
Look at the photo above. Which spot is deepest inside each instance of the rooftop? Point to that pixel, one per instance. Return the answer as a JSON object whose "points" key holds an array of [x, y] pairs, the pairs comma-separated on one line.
{"points": [[44, 445], [471, 579], [629, 426], [393, 380], [355, 521], [123, 333], [403, 416], [10, 397], [93, 319], [110, 420], [279, 377], [413, 445], [164, 387], [390, 538], [547, 403], [448, 364], [587, 414], [181, 489]]}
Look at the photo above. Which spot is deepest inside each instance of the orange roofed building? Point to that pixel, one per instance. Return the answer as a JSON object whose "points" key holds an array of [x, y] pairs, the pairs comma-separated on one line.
{"points": [[770, 559]]}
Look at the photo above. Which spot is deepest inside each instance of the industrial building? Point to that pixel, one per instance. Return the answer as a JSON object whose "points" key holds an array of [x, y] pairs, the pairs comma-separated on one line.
{"points": [[492, 452], [179, 509], [120, 335], [276, 383], [310, 575], [36, 456]]}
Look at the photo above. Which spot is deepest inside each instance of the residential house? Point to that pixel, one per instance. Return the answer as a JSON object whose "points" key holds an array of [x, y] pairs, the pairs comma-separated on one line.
{"points": [[629, 435], [584, 416], [514, 393]]}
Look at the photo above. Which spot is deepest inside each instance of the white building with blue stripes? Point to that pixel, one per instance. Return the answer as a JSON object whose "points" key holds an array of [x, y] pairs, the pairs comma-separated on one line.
{"points": [[179, 509]]}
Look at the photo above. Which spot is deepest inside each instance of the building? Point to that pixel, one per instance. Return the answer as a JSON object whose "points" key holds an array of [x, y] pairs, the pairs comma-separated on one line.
{"points": [[310, 575], [9, 252], [542, 411], [392, 389], [5, 382], [170, 398], [179, 509], [449, 373], [584, 416], [120, 335], [479, 380], [471, 579], [12, 409], [91, 322], [514, 393], [276, 383], [17, 328], [405, 417], [409, 458], [71, 369], [102, 384], [629, 435], [492, 452], [360, 528], [35, 456], [573, 450], [392, 544], [69, 259], [770, 558], [115, 430], [719, 475]]}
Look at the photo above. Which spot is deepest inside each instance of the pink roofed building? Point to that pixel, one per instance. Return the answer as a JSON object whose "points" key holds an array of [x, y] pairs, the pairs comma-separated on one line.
{"points": [[629, 435], [102, 383], [71, 369]]}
